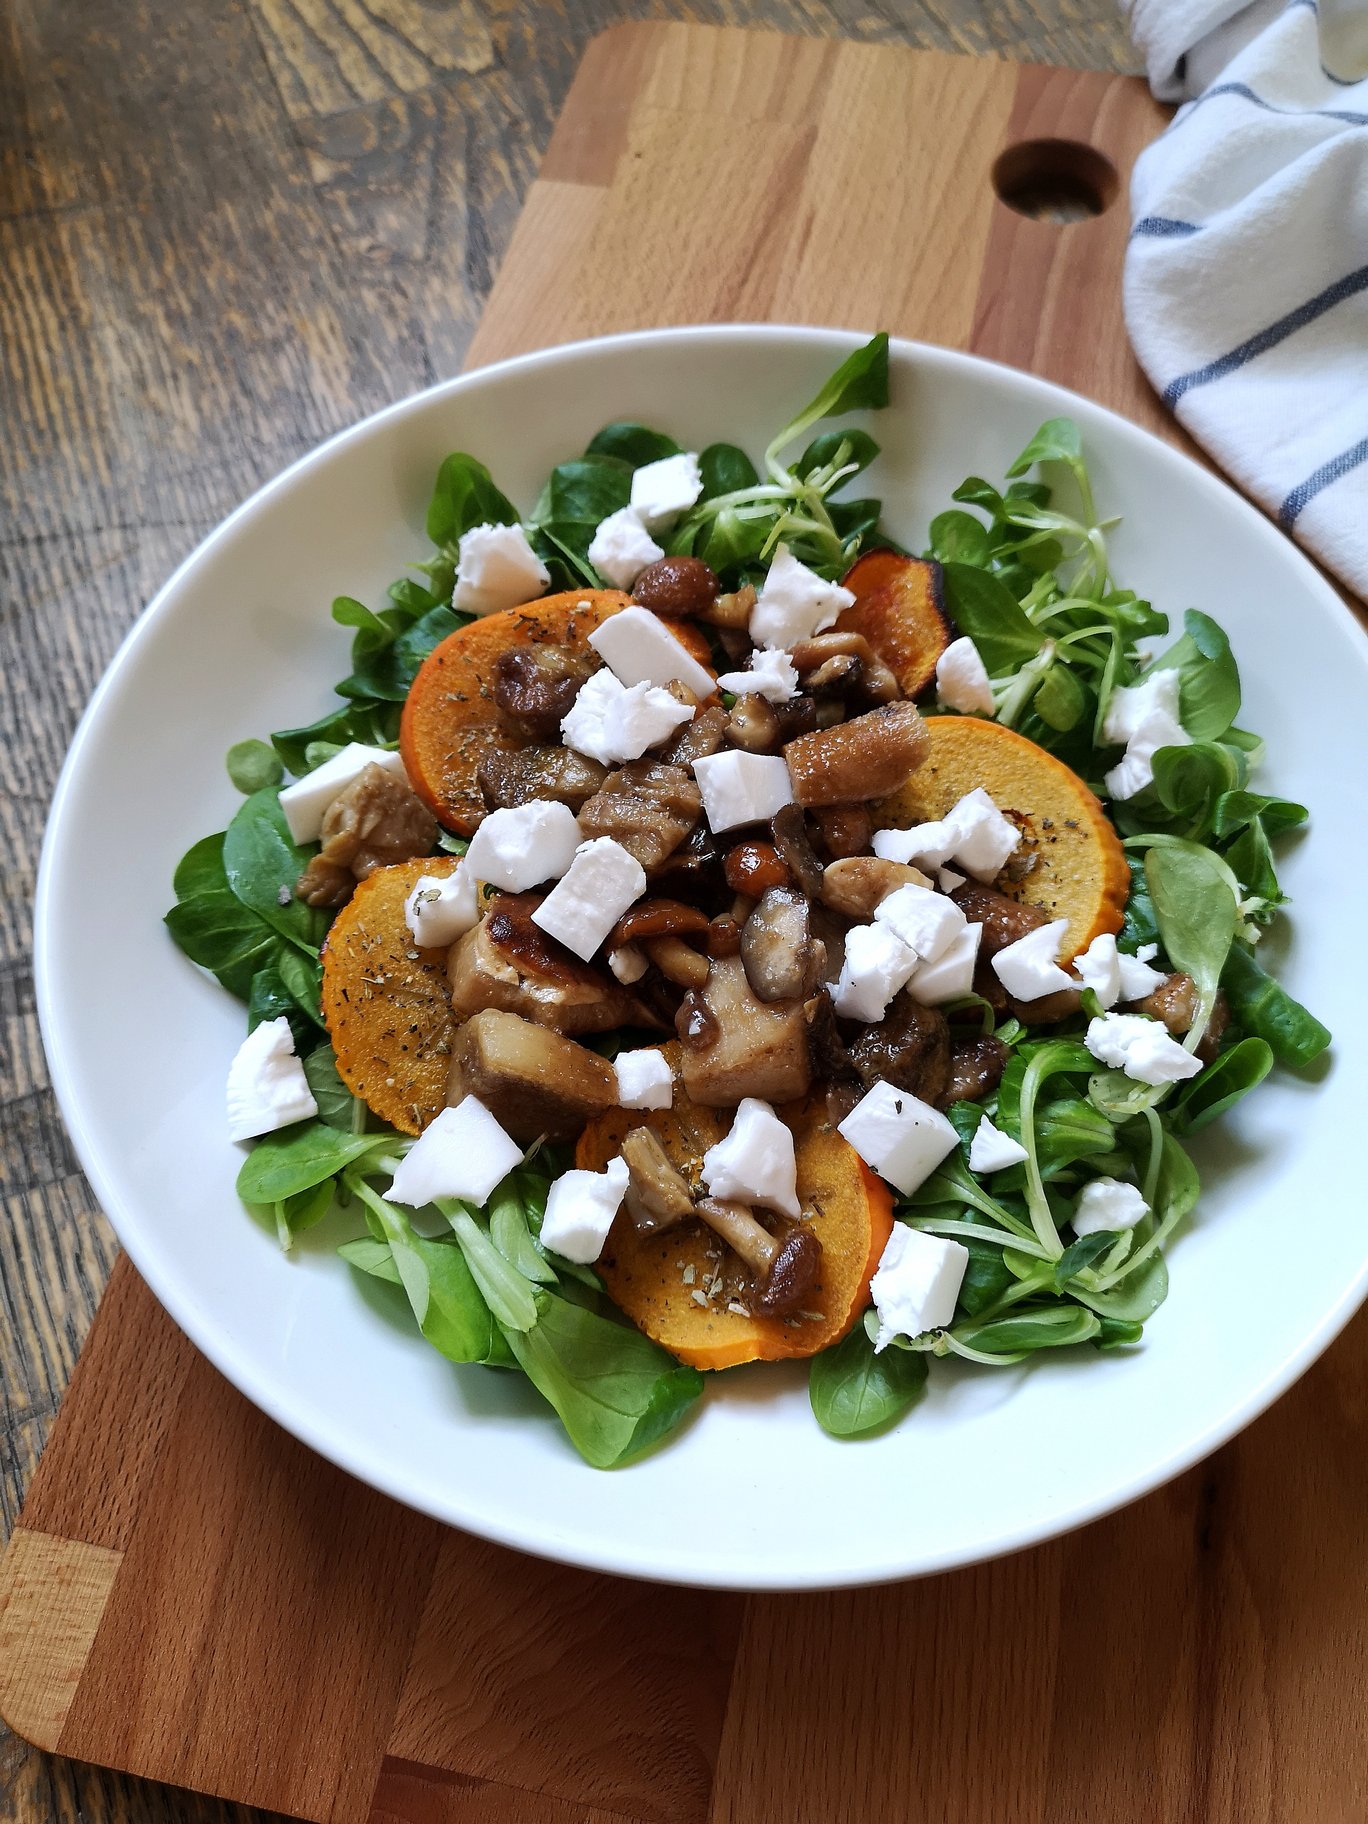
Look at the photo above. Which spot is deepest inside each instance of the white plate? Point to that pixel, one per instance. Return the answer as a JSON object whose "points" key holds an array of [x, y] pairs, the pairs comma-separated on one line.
{"points": [[751, 1494]]}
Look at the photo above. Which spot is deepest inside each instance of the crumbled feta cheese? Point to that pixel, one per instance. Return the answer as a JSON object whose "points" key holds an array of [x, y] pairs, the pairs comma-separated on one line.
{"points": [[580, 1207], [643, 1079], [463, 1153], [621, 548], [518, 846], [991, 1150], [916, 1284], [771, 674], [612, 722], [951, 976], [755, 1162], [1099, 968], [948, 880], [794, 603], [926, 922], [628, 963], [742, 788], [1145, 717], [1108, 1204], [962, 679], [876, 966], [662, 490], [973, 833], [443, 907], [496, 568], [1140, 1047], [639, 648], [898, 1136], [1137, 978], [1027, 969], [267, 1087], [600, 884], [304, 803]]}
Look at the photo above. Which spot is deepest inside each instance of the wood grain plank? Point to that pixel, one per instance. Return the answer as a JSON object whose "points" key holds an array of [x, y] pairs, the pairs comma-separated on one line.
{"points": [[52, 1595], [412, 1793]]}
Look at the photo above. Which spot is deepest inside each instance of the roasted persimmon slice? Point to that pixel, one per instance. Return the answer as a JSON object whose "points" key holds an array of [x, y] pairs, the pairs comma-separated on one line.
{"points": [[899, 607]]}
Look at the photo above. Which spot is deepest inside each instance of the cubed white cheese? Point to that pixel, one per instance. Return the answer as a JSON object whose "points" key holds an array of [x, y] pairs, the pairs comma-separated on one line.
{"points": [[628, 963], [951, 976], [1028, 968], [916, 1284], [898, 1136], [755, 1161], [643, 1079], [742, 788], [640, 649], [1131, 705], [1099, 968], [948, 879], [443, 907], [991, 1150], [621, 548], [876, 966], [962, 679], [267, 1087], [611, 722], [518, 846], [662, 490], [463, 1153], [794, 603], [305, 802], [973, 833], [600, 884], [496, 568], [1137, 978], [926, 922], [1108, 1204], [580, 1207], [771, 674], [1139, 1047], [1145, 717]]}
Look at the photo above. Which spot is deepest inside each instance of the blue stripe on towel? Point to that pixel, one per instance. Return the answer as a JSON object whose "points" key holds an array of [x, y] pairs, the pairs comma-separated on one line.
{"points": [[1259, 344], [1164, 227], [1322, 478], [1243, 90]]}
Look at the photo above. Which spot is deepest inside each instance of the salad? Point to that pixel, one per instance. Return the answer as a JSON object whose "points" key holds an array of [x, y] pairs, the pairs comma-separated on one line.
{"points": [[704, 932]]}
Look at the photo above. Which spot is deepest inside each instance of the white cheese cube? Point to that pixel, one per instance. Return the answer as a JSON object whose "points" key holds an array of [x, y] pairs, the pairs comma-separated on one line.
{"points": [[1139, 1047], [580, 1207], [1028, 968], [1137, 978], [900, 1137], [962, 680], [926, 922], [794, 603], [948, 879], [1099, 968], [640, 649], [496, 568], [643, 1079], [876, 966], [1108, 1204], [621, 548], [305, 802], [923, 845], [628, 963], [267, 1087], [951, 976], [741, 788], [518, 846], [612, 723], [662, 490], [600, 884], [973, 833], [1145, 717], [916, 1284], [771, 674], [991, 1150], [463, 1153], [755, 1162], [443, 907]]}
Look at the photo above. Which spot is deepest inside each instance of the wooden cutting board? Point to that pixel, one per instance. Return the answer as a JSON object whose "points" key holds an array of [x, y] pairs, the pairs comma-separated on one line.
{"points": [[192, 1596]]}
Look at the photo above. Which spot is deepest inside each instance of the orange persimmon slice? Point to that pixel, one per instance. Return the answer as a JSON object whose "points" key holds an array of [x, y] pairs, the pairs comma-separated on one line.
{"points": [[899, 607]]}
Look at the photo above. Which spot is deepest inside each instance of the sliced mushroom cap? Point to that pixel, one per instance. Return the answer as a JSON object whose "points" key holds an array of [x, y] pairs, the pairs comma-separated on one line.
{"points": [[859, 883], [535, 685], [705, 735], [789, 830], [909, 1048], [976, 1066], [784, 1267], [649, 807], [863, 759], [535, 1082], [782, 959], [658, 1194], [1004, 919], [736, 1045], [517, 776], [507, 962], [754, 725]]}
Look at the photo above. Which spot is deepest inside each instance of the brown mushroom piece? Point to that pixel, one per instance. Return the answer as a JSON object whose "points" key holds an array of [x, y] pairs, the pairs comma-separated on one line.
{"points": [[658, 1194], [509, 963], [856, 885], [1174, 1002], [649, 807], [782, 959], [676, 586], [731, 611], [1004, 920], [512, 777], [844, 664], [976, 1066], [376, 821], [535, 1082], [789, 830], [736, 1045], [534, 686], [705, 735], [909, 1048], [844, 830], [858, 760], [784, 1268], [754, 725]]}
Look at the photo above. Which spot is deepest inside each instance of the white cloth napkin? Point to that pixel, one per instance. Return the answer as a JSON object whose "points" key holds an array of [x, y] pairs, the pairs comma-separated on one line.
{"points": [[1246, 280]]}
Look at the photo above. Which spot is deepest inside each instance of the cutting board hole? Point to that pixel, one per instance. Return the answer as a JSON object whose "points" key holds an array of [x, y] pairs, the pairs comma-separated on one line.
{"points": [[1055, 180]]}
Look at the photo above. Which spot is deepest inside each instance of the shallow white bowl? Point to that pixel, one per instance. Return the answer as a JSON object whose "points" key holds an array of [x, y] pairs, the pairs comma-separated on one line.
{"points": [[751, 1494]]}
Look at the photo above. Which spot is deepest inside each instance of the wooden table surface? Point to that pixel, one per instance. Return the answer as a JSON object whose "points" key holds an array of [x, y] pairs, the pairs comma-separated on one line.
{"points": [[227, 229]]}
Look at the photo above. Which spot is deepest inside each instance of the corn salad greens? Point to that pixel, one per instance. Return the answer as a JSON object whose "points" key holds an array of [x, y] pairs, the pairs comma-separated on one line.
{"points": [[1027, 577]]}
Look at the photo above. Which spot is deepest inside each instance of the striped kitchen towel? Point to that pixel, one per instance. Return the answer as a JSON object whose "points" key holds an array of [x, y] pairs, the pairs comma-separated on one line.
{"points": [[1246, 282]]}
